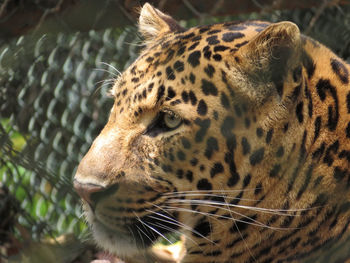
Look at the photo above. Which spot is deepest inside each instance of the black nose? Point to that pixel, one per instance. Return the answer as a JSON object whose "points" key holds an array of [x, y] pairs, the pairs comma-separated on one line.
{"points": [[86, 190]]}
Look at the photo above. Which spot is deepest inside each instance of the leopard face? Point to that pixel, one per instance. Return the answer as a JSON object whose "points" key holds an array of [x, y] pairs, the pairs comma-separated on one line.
{"points": [[235, 135]]}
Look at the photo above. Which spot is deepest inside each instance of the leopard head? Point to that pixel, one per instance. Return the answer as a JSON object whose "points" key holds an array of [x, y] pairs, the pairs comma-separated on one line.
{"points": [[205, 138]]}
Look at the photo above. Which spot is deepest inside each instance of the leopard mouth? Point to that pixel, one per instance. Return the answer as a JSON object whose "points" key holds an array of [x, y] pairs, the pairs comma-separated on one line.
{"points": [[148, 229], [138, 234]]}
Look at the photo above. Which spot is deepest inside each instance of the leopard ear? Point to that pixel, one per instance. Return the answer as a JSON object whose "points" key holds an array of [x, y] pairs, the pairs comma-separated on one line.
{"points": [[270, 54], [153, 23]]}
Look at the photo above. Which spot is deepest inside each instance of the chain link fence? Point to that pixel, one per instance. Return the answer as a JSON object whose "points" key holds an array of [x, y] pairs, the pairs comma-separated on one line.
{"points": [[53, 103]]}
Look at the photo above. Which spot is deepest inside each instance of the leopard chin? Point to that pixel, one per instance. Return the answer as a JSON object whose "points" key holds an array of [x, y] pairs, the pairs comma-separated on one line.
{"points": [[128, 239], [114, 240]]}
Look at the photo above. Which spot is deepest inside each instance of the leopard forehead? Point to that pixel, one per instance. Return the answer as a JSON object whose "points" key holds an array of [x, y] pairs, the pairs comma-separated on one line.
{"points": [[196, 58]]}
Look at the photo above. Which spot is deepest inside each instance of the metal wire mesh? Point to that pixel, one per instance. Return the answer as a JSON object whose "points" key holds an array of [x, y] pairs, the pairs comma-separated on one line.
{"points": [[50, 113], [53, 103]]}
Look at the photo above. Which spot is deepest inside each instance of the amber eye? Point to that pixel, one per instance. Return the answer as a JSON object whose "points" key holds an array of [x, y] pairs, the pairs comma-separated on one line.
{"points": [[171, 120]]}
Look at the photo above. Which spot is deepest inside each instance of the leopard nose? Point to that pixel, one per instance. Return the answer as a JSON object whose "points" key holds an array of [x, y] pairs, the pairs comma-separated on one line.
{"points": [[85, 190]]}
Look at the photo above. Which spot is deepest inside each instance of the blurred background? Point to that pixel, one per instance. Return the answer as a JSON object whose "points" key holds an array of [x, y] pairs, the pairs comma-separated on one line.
{"points": [[57, 61]]}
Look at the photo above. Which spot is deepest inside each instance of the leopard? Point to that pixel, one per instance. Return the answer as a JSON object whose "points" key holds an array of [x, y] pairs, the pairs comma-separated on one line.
{"points": [[235, 136]]}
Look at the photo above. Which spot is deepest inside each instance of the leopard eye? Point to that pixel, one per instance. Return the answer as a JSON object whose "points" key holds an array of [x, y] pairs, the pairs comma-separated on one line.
{"points": [[165, 121], [171, 120]]}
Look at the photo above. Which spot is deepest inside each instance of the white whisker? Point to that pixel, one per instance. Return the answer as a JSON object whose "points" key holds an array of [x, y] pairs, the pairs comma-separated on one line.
{"points": [[106, 84], [173, 208], [154, 230], [257, 223], [168, 229], [211, 191], [177, 223], [281, 212], [104, 81], [212, 195], [107, 71], [110, 65], [240, 233], [138, 218], [140, 44], [174, 223], [175, 231], [138, 231]]}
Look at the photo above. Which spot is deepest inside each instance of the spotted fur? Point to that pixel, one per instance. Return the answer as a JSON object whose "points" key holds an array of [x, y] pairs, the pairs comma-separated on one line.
{"points": [[234, 134]]}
